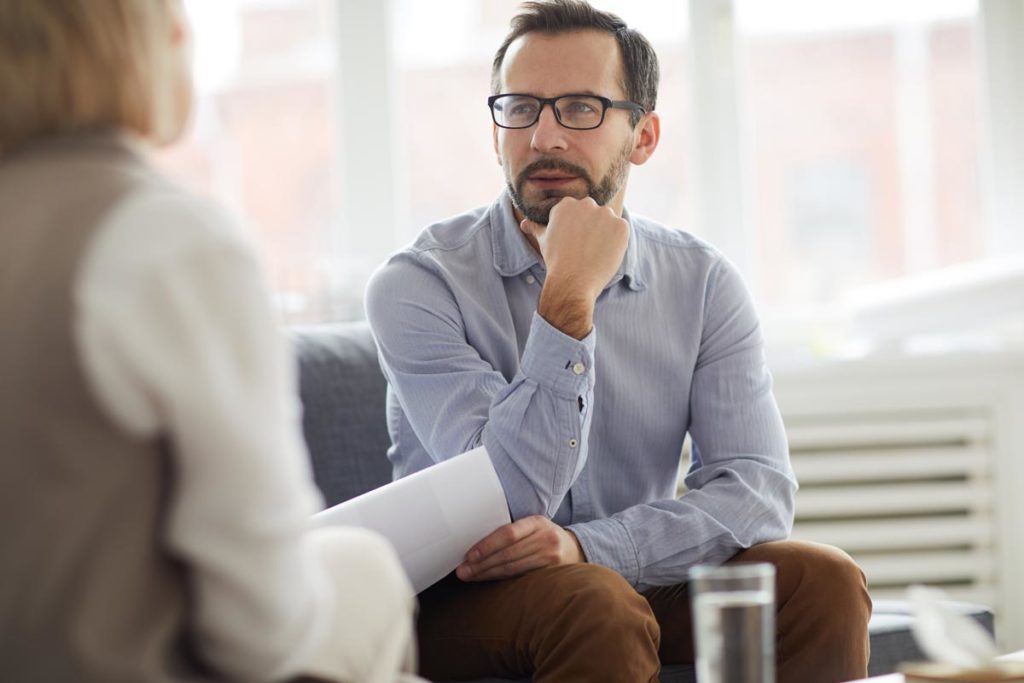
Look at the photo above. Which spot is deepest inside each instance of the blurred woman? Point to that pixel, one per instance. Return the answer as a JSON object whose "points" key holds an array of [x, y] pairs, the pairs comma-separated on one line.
{"points": [[154, 487]]}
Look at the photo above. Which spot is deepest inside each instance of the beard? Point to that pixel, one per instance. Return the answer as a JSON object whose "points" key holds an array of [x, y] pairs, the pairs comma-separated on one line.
{"points": [[539, 210]]}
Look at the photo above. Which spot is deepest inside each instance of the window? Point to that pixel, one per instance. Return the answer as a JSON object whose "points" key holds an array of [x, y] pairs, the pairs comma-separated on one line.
{"points": [[849, 133], [864, 151], [263, 141]]}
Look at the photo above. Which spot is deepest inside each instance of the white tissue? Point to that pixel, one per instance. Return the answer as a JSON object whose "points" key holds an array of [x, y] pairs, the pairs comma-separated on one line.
{"points": [[945, 635]]}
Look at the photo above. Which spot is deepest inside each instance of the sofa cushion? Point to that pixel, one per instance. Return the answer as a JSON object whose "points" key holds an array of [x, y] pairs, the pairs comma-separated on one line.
{"points": [[343, 399]]}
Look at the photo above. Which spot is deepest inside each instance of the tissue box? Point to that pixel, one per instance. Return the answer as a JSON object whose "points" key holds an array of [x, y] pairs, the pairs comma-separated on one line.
{"points": [[934, 673]]}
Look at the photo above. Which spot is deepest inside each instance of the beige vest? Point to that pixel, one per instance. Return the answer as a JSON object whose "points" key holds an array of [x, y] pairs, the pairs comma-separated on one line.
{"points": [[87, 590]]}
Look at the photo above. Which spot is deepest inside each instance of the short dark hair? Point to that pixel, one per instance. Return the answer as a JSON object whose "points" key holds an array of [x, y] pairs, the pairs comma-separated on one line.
{"points": [[639, 61]]}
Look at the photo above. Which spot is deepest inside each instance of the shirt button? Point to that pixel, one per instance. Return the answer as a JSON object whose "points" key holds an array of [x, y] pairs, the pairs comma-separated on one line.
{"points": [[579, 368], [530, 279], [573, 443]]}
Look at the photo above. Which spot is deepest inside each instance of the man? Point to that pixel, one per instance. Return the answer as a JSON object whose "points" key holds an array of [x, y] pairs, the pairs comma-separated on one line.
{"points": [[579, 345]]}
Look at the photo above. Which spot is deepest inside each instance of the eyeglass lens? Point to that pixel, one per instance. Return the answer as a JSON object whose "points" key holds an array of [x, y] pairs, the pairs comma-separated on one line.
{"points": [[573, 111]]}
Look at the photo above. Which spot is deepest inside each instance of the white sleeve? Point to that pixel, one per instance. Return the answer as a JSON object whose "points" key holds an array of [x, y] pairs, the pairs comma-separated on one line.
{"points": [[177, 337]]}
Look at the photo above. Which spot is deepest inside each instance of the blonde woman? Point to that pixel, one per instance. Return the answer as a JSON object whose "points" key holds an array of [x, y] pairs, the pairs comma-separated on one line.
{"points": [[154, 487]]}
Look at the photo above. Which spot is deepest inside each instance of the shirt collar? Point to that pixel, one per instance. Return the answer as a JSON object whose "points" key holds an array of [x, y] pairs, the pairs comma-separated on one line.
{"points": [[513, 254]]}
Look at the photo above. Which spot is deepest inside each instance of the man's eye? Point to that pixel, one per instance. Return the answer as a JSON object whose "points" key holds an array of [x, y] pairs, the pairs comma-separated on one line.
{"points": [[580, 107], [524, 109]]}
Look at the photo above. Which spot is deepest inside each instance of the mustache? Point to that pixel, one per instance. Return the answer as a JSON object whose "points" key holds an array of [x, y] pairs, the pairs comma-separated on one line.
{"points": [[548, 164]]}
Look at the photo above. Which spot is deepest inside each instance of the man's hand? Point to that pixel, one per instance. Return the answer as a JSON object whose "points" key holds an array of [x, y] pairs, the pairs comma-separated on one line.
{"points": [[582, 246], [516, 548]]}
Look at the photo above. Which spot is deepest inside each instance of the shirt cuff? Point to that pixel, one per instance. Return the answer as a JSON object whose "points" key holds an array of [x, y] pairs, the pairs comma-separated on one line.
{"points": [[607, 542], [555, 360]]}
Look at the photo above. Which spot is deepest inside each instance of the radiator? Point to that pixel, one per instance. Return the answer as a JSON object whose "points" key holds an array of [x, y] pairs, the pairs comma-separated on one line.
{"points": [[915, 466], [907, 494]]}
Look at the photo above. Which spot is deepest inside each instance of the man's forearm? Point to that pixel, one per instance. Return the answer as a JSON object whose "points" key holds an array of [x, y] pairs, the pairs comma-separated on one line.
{"points": [[535, 431], [529, 419]]}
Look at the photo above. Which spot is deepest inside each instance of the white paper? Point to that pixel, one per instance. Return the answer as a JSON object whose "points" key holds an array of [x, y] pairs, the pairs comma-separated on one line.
{"points": [[432, 517]]}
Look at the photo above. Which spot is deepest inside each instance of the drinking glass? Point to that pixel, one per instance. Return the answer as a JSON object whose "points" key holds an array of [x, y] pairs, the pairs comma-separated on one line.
{"points": [[734, 622]]}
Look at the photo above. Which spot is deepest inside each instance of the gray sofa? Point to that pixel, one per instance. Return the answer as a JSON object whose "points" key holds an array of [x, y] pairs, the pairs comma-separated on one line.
{"points": [[343, 390]]}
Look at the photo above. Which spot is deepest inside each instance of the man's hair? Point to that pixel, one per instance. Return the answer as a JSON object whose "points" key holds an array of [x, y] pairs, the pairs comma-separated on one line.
{"points": [[639, 61], [78, 65]]}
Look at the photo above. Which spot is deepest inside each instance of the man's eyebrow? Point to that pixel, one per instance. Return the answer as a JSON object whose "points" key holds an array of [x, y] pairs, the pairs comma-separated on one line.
{"points": [[584, 91]]}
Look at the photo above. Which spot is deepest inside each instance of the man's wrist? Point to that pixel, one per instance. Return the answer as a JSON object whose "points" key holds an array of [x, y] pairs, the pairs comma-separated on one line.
{"points": [[566, 311], [579, 546]]}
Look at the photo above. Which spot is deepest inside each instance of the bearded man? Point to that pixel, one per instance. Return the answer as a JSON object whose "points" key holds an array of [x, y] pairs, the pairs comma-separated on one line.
{"points": [[580, 344]]}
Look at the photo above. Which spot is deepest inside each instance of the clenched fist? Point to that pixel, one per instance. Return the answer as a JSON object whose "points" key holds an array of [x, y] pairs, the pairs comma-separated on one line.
{"points": [[582, 245]]}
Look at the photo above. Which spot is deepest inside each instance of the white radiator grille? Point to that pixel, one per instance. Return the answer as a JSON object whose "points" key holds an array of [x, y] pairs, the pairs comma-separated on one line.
{"points": [[907, 494]]}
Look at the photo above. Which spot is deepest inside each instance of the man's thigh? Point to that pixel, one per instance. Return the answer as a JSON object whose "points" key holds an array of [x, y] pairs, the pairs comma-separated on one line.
{"points": [[555, 621], [477, 629]]}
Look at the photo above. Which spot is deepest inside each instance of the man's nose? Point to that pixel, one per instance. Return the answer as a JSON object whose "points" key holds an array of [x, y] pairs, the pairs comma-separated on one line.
{"points": [[548, 133]]}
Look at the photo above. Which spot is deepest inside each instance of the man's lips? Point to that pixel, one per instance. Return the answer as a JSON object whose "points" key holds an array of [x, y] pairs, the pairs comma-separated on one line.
{"points": [[552, 179]]}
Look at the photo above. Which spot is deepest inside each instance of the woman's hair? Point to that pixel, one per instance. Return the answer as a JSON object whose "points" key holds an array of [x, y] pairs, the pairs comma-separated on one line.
{"points": [[79, 65]]}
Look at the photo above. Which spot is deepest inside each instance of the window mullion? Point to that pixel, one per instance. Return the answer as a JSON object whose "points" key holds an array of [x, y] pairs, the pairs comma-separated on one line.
{"points": [[721, 183], [372, 201], [1002, 25]]}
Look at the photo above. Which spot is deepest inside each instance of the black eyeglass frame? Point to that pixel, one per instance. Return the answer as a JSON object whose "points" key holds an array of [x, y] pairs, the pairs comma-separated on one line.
{"points": [[544, 101]]}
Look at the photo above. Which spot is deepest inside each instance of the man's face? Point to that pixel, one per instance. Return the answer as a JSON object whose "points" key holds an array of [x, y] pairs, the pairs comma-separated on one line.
{"points": [[548, 161]]}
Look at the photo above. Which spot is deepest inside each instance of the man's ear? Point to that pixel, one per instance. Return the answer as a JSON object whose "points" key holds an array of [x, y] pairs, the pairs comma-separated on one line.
{"points": [[647, 134], [497, 149]]}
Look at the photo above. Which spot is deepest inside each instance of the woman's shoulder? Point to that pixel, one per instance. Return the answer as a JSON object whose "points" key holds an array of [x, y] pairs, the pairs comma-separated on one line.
{"points": [[156, 218]]}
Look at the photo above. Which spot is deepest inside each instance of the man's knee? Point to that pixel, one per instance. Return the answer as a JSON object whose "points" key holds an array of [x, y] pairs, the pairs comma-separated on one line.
{"points": [[815, 570]]}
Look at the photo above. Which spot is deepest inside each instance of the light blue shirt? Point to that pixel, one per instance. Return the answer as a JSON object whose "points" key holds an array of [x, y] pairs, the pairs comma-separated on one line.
{"points": [[590, 433]]}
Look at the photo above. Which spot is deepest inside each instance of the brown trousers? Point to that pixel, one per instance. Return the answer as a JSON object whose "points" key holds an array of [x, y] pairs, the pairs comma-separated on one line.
{"points": [[586, 623]]}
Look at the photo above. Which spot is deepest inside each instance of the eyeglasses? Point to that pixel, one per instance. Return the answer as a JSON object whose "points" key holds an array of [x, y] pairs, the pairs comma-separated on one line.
{"points": [[579, 112]]}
